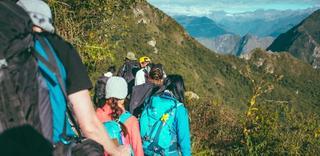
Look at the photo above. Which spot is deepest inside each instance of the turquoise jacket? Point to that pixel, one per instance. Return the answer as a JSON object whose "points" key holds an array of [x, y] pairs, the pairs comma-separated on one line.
{"points": [[182, 129]]}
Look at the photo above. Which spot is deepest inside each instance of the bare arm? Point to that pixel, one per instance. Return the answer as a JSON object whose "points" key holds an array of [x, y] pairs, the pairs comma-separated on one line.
{"points": [[90, 124]]}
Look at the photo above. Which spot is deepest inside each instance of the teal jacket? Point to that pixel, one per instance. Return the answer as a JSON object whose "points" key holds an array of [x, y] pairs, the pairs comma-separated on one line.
{"points": [[182, 129]]}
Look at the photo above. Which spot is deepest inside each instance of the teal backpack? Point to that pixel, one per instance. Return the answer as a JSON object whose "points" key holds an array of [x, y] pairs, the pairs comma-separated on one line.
{"points": [[114, 129], [157, 125], [55, 76]]}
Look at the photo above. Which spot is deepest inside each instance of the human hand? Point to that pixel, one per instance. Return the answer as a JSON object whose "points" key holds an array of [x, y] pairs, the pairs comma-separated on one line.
{"points": [[123, 150]]}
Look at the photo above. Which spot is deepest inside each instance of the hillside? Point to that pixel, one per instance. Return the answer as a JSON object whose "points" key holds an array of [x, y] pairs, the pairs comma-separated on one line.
{"points": [[132, 25], [104, 31], [302, 41]]}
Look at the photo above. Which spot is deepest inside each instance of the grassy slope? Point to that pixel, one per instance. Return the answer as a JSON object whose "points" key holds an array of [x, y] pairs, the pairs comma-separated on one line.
{"points": [[104, 31]]}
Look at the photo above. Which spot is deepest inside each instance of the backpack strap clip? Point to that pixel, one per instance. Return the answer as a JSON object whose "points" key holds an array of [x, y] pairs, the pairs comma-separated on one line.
{"points": [[3, 63]]}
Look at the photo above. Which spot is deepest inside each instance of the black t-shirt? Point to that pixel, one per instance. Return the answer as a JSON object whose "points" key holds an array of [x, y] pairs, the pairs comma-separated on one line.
{"points": [[77, 75]]}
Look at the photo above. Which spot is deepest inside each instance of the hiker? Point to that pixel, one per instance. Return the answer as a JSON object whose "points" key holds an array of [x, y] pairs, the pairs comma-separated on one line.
{"points": [[142, 92], [62, 77], [164, 123], [129, 69], [114, 116], [144, 71], [100, 87]]}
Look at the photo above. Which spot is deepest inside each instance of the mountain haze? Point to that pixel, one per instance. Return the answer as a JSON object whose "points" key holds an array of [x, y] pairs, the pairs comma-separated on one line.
{"points": [[199, 27], [260, 22], [211, 35]]}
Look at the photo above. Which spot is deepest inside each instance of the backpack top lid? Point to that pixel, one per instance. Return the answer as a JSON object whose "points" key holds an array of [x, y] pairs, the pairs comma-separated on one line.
{"points": [[162, 103], [16, 27]]}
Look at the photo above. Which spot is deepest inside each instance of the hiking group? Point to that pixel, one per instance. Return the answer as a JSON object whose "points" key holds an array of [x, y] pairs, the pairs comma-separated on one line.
{"points": [[45, 103]]}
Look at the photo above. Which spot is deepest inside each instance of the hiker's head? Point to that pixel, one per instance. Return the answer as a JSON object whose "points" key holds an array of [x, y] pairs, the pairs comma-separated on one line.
{"points": [[110, 72], [130, 56], [156, 74], [40, 14], [112, 69], [175, 84], [144, 61], [116, 92], [116, 87]]}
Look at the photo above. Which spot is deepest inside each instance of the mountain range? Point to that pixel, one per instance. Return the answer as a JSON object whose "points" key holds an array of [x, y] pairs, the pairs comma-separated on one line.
{"points": [[214, 37], [203, 27], [235, 44], [239, 33], [302, 41], [260, 22]]}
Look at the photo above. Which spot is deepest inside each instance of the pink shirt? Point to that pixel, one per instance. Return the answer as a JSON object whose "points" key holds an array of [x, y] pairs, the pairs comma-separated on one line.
{"points": [[133, 138]]}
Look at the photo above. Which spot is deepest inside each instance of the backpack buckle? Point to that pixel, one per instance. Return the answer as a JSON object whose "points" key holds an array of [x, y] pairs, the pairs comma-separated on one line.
{"points": [[3, 63]]}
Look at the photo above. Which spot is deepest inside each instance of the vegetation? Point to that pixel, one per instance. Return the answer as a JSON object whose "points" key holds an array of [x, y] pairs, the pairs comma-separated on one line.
{"points": [[266, 103]]}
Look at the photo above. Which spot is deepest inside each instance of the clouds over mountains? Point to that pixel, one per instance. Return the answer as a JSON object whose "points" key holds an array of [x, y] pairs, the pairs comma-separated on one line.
{"points": [[205, 7]]}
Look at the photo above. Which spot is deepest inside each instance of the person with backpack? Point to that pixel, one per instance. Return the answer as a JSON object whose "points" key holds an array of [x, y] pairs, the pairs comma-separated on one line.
{"points": [[119, 123], [99, 90], [142, 92], [142, 74], [164, 123], [129, 69], [48, 74]]}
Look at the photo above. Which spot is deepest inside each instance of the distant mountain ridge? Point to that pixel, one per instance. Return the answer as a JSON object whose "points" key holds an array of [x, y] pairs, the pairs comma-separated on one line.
{"points": [[302, 41], [200, 26], [211, 35], [260, 22], [234, 44], [250, 42]]}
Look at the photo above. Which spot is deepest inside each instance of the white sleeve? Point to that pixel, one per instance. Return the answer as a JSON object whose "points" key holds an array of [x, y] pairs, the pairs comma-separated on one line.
{"points": [[140, 78]]}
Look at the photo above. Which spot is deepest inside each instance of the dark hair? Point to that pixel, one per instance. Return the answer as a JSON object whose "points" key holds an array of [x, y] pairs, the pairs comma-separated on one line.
{"points": [[175, 84], [112, 69], [156, 72], [116, 112]]}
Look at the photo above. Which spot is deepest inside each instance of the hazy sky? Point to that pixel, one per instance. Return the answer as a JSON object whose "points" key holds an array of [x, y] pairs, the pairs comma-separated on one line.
{"points": [[203, 7]]}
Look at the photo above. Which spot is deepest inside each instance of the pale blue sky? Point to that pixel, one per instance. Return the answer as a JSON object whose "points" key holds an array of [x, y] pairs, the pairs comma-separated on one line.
{"points": [[203, 7]]}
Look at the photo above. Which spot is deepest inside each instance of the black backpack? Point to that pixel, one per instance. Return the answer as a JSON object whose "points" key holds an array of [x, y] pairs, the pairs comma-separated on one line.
{"points": [[140, 94], [18, 69], [128, 72], [24, 98], [100, 91]]}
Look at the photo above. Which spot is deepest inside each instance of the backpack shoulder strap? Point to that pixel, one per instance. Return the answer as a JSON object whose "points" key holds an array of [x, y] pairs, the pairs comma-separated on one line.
{"points": [[164, 119], [124, 117], [51, 64]]}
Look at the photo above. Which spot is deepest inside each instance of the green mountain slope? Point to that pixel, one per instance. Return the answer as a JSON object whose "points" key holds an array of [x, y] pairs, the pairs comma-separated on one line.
{"points": [[104, 31], [302, 41]]}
